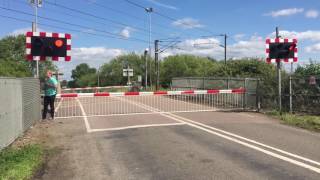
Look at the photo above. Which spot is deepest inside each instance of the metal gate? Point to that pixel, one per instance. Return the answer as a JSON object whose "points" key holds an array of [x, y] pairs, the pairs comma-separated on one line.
{"points": [[124, 103]]}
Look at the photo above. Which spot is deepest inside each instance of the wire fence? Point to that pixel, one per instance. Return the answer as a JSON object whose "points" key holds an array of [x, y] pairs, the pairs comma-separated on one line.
{"points": [[263, 95], [250, 98], [19, 107], [305, 95]]}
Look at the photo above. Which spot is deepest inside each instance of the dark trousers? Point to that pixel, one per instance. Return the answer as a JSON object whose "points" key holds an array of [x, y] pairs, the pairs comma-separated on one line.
{"points": [[48, 100]]}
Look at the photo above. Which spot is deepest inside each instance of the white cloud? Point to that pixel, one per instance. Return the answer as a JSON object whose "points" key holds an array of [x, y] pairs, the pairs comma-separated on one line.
{"points": [[163, 5], [285, 12], [305, 35], [187, 23], [23, 31], [253, 47], [312, 14], [93, 56], [238, 37], [313, 48], [126, 32]]}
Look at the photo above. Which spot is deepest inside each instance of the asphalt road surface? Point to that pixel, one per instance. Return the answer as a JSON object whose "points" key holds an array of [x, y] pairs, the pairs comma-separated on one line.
{"points": [[189, 145]]}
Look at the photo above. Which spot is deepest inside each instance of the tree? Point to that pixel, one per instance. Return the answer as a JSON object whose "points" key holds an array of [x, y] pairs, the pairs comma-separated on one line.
{"points": [[12, 59], [312, 69], [112, 73], [186, 66], [83, 75]]}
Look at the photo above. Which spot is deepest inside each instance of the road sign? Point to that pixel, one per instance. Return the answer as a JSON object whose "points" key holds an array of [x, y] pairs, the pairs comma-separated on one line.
{"points": [[139, 78], [127, 72], [41, 46], [281, 50]]}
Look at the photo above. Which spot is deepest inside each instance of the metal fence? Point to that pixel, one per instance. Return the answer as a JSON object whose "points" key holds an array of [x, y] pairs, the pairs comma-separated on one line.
{"points": [[263, 95], [19, 107], [250, 98], [305, 94]]}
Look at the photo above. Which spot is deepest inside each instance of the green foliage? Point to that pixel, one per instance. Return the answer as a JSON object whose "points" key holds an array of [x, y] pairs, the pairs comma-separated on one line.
{"points": [[308, 70], [83, 75], [192, 66], [111, 73], [187, 66], [20, 163], [251, 68], [12, 59], [302, 121], [87, 80]]}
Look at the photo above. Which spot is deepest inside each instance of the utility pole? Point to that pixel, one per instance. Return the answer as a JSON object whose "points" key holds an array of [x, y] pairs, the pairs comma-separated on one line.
{"points": [[279, 76], [99, 77], [149, 11], [156, 59], [290, 88], [36, 4], [146, 68], [225, 49]]}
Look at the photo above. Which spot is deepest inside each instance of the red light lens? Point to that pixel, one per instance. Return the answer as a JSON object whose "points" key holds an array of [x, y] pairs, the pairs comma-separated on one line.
{"points": [[58, 43]]}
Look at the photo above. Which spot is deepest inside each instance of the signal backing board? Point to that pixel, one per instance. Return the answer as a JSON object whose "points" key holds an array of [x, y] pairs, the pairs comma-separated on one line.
{"points": [[281, 50], [41, 46]]}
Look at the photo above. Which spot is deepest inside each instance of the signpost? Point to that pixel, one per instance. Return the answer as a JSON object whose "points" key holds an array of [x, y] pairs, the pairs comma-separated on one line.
{"points": [[128, 73]]}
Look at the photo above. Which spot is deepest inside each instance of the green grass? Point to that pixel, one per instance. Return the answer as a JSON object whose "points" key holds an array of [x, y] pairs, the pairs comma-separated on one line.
{"points": [[20, 163], [303, 121]]}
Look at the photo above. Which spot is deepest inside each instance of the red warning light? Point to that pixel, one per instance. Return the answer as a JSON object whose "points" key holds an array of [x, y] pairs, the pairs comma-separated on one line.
{"points": [[292, 47], [58, 43]]}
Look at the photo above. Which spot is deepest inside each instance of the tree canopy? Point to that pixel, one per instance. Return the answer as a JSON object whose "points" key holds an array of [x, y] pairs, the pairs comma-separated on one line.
{"points": [[12, 59]]}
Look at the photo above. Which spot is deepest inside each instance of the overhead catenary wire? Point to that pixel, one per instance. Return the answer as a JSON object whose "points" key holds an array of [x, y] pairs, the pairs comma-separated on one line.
{"points": [[64, 28], [129, 15], [168, 17], [75, 16], [98, 17], [144, 8], [71, 24], [170, 45]]}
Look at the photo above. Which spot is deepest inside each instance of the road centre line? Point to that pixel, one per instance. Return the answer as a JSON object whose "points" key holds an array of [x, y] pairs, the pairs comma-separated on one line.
{"points": [[210, 130]]}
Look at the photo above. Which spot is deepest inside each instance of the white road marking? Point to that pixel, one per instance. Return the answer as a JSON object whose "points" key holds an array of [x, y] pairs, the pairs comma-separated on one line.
{"points": [[85, 118], [137, 126], [298, 163], [250, 140], [198, 126], [58, 106]]}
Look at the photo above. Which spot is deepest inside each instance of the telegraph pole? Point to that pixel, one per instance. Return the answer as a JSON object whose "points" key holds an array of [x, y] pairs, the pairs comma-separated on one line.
{"points": [[156, 59], [149, 11], [36, 4], [279, 76], [225, 49], [146, 68]]}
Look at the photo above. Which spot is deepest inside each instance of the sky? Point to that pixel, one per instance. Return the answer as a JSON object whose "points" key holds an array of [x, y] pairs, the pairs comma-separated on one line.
{"points": [[104, 29]]}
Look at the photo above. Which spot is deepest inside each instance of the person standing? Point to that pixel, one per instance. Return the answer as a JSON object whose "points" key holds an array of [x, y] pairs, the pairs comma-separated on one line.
{"points": [[50, 92]]}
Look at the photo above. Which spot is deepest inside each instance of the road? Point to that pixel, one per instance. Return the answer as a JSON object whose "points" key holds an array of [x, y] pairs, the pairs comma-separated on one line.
{"points": [[191, 145]]}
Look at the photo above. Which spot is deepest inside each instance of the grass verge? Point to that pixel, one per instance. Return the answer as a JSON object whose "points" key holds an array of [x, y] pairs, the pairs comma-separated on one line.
{"points": [[303, 121], [20, 163]]}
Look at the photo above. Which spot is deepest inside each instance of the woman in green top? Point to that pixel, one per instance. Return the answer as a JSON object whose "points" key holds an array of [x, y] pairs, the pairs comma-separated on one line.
{"points": [[50, 91]]}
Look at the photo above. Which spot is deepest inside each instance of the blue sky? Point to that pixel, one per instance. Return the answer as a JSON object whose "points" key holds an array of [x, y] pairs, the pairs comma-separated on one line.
{"points": [[247, 23]]}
